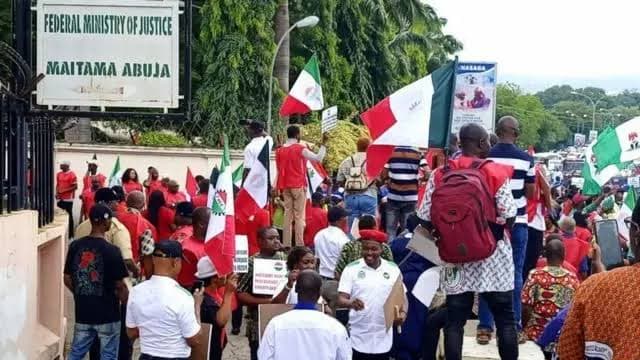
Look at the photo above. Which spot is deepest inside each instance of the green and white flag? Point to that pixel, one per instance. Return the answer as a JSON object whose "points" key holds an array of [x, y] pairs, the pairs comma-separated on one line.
{"points": [[619, 145], [625, 211], [594, 179], [237, 175], [115, 178]]}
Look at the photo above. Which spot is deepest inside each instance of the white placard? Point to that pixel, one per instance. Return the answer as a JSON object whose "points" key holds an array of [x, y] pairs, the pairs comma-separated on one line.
{"points": [[634, 181], [427, 285], [422, 244], [241, 261], [267, 274], [329, 119], [108, 53], [577, 182], [474, 95]]}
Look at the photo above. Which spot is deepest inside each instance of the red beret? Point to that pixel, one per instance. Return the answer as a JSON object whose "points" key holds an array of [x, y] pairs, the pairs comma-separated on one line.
{"points": [[373, 235]]}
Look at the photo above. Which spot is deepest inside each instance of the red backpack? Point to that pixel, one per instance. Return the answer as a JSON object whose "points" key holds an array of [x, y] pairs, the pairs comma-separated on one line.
{"points": [[461, 209]]}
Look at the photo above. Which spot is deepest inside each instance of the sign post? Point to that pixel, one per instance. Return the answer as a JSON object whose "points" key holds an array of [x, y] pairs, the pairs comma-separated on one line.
{"points": [[108, 53]]}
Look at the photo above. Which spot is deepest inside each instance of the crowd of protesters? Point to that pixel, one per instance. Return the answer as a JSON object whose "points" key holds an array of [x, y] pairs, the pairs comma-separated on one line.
{"points": [[138, 268]]}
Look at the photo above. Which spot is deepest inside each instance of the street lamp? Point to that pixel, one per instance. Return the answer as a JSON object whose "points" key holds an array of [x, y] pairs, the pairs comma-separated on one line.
{"points": [[309, 21], [593, 103]]}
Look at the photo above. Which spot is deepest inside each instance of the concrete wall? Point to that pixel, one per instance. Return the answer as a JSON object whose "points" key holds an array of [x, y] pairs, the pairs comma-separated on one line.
{"points": [[170, 162], [31, 287]]}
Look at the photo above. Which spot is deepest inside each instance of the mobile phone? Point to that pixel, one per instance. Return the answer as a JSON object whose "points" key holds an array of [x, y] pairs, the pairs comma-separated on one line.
{"points": [[198, 284]]}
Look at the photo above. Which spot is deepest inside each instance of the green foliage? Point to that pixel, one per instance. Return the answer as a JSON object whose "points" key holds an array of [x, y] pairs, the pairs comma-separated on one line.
{"points": [[160, 138], [5, 21]]}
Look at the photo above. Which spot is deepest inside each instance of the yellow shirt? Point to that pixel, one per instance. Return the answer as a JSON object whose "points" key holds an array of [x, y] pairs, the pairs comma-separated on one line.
{"points": [[118, 235]]}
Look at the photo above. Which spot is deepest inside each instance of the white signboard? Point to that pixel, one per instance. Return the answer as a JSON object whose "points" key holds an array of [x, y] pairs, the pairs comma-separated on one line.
{"points": [[329, 119], [593, 135], [241, 260], [108, 53], [267, 275], [634, 181], [474, 96]]}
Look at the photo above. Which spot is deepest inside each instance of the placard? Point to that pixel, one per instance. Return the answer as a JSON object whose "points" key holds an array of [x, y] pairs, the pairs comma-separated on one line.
{"points": [[329, 119], [474, 96], [579, 140], [267, 275], [241, 260], [423, 244], [593, 136], [577, 182], [427, 285], [634, 181], [396, 301], [108, 53]]}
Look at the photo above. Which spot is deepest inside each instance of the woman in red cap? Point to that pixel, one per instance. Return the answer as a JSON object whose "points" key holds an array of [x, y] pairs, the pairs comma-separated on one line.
{"points": [[365, 285]]}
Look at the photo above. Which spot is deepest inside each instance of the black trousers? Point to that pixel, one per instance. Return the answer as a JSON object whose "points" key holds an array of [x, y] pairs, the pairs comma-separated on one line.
{"points": [[236, 318], [436, 321], [534, 250], [362, 356], [68, 207]]}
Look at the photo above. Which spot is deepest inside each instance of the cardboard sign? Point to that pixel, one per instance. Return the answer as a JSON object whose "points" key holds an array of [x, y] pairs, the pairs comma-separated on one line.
{"points": [[329, 119], [266, 312], [241, 260], [395, 302], [423, 244], [201, 352], [267, 275]]}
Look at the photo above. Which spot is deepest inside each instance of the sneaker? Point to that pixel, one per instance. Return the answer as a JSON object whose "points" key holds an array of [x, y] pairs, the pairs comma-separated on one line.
{"points": [[483, 336]]}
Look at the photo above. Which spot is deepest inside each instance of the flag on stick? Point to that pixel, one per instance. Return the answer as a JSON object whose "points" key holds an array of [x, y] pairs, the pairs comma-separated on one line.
{"points": [[255, 191], [191, 185], [220, 239], [628, 204], [306, 93], [115, 178]]}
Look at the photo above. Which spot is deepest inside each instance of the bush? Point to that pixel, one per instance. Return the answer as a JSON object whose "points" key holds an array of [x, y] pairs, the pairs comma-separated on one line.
{"points": [[342, 141], [160, 138]]}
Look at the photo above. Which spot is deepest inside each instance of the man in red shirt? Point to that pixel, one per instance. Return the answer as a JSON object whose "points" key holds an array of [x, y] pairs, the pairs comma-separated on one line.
{"points": [[183, 221], [88, 196], [153, 182], [291, 161], [92, 171], [135, 223], [256, 222], [316, 218], [200, 200], [193, 247], [66, 186], [173, 196]]}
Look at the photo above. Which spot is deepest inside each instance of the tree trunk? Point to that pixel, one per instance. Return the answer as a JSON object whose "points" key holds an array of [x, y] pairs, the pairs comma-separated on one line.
{"points": [[281, 71]]}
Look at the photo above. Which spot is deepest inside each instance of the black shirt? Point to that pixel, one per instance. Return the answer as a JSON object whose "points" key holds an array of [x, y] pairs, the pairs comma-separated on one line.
{"points": [[95, 266], [208, 312]]}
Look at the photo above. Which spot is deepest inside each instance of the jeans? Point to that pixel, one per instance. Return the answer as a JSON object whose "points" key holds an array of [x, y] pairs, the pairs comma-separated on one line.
{"points": [[294, 211], [125, 346], [458, 310], [519, 235], [68, 207], [84, 335], [397, 214], [534, 250], [360, 204]]}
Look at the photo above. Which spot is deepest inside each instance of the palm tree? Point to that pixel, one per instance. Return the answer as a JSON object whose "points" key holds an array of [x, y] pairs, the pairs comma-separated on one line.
{"points": [[281, 22]]}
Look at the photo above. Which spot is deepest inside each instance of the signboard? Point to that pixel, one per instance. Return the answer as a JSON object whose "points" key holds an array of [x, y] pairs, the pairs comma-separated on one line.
{"points": [[474, 96], [579, 140], [593, 136], [329, 119], [108, 53], [634, 181], [241, 260], [267, 274]]}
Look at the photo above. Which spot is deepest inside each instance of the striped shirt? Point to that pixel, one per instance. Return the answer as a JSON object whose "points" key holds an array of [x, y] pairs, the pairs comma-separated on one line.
{"points": [[403, 168], [523, 173]]}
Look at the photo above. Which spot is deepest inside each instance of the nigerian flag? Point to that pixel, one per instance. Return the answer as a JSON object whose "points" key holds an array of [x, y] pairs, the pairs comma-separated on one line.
{"points": [[619, 145], [237, 175], [625, 211], [115, 178], [595, 175]]}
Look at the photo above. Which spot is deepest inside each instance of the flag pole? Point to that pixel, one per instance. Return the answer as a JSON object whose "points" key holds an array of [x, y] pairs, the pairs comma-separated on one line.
{"points": [[453, 99]]}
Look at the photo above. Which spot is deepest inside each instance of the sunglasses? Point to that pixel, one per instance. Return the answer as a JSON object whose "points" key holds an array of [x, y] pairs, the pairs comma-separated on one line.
{"points": [[629, 223]]}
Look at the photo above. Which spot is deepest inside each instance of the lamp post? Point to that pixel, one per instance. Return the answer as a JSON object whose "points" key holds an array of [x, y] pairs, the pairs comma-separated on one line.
{"points": [[309, 21], [593, 103]]}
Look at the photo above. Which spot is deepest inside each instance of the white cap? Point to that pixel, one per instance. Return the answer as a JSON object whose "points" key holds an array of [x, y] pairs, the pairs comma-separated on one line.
{"points": [[92, 161], [423, 161], [205, 268], [65, 162]]}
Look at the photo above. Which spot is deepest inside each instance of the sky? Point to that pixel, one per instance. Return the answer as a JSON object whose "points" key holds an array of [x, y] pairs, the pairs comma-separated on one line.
{"points": [[545, 42]]}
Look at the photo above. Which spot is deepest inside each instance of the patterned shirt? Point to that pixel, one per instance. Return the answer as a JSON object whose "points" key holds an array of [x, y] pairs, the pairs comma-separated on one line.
{"points": [[352, 251], [495, 273], [245, 284], [547, 291], [603, 320]]}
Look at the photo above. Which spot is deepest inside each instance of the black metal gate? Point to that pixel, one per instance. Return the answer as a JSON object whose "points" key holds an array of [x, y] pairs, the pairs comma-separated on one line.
{"points": [[26, 143]]}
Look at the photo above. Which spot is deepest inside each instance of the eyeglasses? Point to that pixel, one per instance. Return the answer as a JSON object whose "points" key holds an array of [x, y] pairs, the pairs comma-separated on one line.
{"points": [[629, 223]]}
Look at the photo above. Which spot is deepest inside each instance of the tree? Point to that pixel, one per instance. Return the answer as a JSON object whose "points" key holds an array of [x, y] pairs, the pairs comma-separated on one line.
{"points": [[5, 21], [282, 59]]}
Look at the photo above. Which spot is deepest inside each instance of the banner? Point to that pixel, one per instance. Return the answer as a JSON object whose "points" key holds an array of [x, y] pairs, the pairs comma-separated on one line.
{"points": [[579, 140], [108, 53], [475, 95]]}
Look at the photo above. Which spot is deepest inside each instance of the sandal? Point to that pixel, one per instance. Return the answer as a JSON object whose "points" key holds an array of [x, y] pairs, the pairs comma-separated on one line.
{"points": [[483, 336]]}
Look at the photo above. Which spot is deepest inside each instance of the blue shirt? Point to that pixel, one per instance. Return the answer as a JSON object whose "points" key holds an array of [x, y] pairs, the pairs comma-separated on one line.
{"points": [[523, 173]]}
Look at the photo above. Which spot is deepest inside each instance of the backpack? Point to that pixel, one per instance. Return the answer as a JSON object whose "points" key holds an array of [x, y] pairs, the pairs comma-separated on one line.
{"points": [[461, 209], [356, 179]]}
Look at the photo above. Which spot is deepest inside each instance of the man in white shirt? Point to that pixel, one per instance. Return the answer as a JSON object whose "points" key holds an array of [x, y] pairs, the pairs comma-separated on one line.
{"points": [[305, 332], [255, 131], [160, 312], [328, 242], [365, 285]]}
